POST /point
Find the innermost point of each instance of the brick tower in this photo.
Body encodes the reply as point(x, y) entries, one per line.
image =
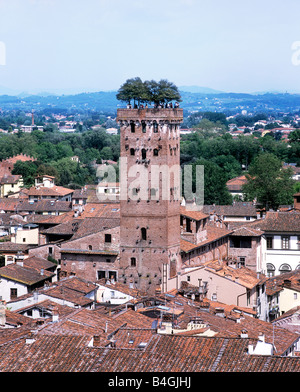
point(150, 196)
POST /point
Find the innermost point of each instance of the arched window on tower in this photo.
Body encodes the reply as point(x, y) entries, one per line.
point(144, 233)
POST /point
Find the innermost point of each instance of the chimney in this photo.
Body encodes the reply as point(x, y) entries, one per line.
point(220, 312)
point(112, 343)
point(96, 341)
point(30, 338)
point(2, 314)
point(244, 334)
point(42, 271)
point(35, 296)
point(55, 315)
point(261, 337)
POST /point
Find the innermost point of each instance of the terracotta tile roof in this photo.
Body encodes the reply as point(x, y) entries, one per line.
point(133, 319)
point(71, 289)
point(232, 325)
point(80, 194)
point(38, 263)
point(284, 222)
point(237, 209)
point(8, 204)
point(246, 232)
point(26, 275)
point(196, 215)
point(47, 306)
point(12, 247)
point(67, 294)
point(66, 344)
point(290, 280)
point(90, 226)
point(12, 335)
point(66, 228)
point(10, 178)
point(103, 210)
point(124, 288)
point(9, 219)
point(51, 219)
point(49, 191)
point(213, 234)
point(244, 276)
point(235, 184)
point(77, 284)
point(15, 319)
point(20, 157)
point(84, 322)
point(71, 353)
point(45, 206)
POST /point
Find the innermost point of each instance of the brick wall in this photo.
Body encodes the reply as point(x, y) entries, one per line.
point(87, 264)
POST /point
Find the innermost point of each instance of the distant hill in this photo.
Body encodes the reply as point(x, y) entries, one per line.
point(106, 102)
point(199, 90)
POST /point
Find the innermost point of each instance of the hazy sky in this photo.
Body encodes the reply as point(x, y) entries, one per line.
point(89, 45)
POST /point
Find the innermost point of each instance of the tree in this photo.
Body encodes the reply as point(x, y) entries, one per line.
point(133, 89)
point(162, 92)
point(27, 170)
point(149, 91)
point(294, 137)
point(215, 190)
point(268, 182)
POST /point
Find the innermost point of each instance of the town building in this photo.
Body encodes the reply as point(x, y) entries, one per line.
point(219, 282)
point(283, 293)
point(235, 187)
point(280, 241)
point(18, 279)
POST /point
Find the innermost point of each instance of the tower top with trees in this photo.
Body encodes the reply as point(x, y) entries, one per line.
point(161, 94)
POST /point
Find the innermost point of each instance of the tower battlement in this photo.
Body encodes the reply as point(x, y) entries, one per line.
point(169, 115)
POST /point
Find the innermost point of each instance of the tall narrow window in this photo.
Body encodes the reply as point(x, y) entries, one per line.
point(144, 154)
point(101, 274)
point(132, 126)
point(269, 242)
point(13, 293)
point(143, 127)
point(144, 233)
point(188, 225)
point(133, 262)
point(155, 127)
point(132, 152)
point(155, 152)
